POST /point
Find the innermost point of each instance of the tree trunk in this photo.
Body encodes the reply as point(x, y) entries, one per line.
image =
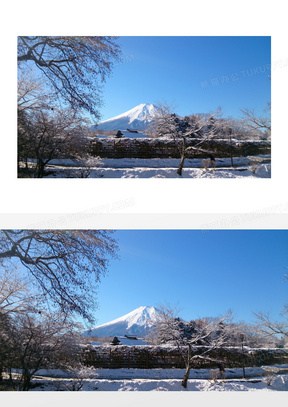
point(26, 383)
point(186, 376)
point(181, 165)
point(10, 375)
point(188, 367)
point(231, 155)
point(40, 168)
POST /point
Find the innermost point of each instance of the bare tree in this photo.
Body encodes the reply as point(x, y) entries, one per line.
point(31, 94)
point(14, 300)
point(258, 123)
point(30, 99)
point(85, 164)
point(51, 133)
point(248, 334)
point(200, 127)
point(165, 328)
point(40, 340)
point(66, 265)
point(78, 375)
point(47, 131)
point(182, 130)
point(71, 65)
point(165, 122)
point(14, 290)
point(270, 328)
point(190, 336)
point(203, 128)
point(233, 130)
point(50, 120)
point(32, 338)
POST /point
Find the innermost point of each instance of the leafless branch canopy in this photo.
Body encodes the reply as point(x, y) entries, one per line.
point(65, 264)
point(255, 122)
point(72, 65)
point(270, 327)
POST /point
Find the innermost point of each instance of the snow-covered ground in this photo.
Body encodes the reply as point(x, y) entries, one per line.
point(265, 378)
point(251, 167)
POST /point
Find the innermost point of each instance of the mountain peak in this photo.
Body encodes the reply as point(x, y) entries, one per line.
point(137, 322)
point(137, 118)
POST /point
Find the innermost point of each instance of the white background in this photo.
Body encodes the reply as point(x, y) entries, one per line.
point(171, 203)
point(142, 195)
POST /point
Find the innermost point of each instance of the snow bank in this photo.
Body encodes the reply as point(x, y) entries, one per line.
point(243, 167)
point(256, 379)
point(263, 171)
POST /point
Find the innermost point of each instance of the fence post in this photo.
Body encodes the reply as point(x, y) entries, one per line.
point(243, 358)
point(231, 155)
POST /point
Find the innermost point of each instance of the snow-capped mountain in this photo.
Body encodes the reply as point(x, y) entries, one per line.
point(137, 322)
point(137, 118)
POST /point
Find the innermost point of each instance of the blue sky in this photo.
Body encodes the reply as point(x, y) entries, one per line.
point(195, 74)
point(204, 273)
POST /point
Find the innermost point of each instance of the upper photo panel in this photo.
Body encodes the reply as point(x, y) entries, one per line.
point(144, 107)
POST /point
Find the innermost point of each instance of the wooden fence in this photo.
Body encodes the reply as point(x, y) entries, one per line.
point(159, 148)
point(155, 357)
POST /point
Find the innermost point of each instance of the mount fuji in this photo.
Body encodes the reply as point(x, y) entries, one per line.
point(137, 323)
point(137, 118)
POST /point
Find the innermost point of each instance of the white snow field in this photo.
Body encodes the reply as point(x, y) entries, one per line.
point(263, 378)
point(251, 167)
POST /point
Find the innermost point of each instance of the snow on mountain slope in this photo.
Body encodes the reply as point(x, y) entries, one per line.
point(137, 322)
point(137, 118)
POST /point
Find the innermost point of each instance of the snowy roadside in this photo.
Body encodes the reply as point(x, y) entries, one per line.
point(278, 383)
point(243, 167)
point(161, 162)
point(231, 373)
point(265, 378)
point(262, 171)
